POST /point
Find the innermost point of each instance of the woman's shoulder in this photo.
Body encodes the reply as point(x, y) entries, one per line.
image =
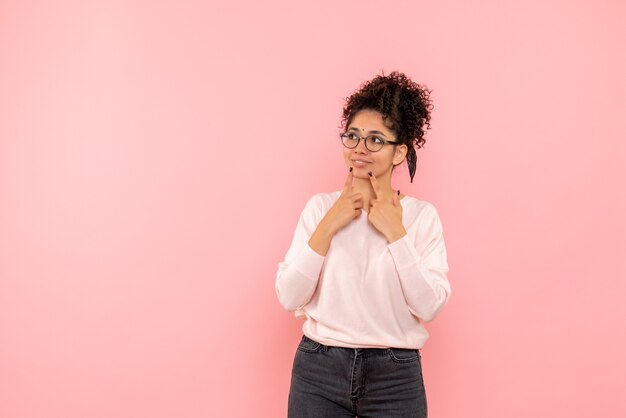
point(323, 200)
point(318, 204)
point(418, 207)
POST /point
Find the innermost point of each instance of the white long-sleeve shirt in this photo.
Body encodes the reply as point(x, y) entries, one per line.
point(366, 292)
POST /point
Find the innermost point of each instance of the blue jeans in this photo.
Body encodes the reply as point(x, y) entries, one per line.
point(332, 382)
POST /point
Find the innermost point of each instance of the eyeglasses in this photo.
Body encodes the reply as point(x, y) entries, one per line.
point(372, 142)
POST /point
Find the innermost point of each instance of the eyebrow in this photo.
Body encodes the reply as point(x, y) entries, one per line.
point(371, 132)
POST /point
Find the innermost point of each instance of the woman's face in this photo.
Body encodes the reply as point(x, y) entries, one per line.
point(380, 163)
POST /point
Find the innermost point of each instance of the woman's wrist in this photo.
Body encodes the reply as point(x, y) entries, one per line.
point(321, 238)
point(396, 235)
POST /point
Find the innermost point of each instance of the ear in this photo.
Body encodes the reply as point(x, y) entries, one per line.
point(400, 154)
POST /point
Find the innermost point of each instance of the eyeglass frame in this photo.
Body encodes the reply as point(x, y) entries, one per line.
point(364, 138)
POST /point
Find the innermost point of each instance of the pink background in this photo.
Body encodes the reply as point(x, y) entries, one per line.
point(155, 156)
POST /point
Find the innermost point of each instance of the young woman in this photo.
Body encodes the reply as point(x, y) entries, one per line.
point(367, 268)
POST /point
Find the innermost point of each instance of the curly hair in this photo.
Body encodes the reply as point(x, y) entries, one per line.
point(404, 105)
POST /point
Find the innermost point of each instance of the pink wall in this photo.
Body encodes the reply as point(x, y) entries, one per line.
point(155, 156)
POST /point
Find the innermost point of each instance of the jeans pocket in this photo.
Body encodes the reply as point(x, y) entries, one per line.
point(307, 345)
point(403, 355)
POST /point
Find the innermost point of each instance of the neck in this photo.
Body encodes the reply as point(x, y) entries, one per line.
point(364, 186)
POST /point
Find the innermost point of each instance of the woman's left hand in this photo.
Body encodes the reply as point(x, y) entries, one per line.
point(386, 214)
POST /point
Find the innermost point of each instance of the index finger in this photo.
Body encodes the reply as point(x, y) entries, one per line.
point(375, 184)
point(348, 185)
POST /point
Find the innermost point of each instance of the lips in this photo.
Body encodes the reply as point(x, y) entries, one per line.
point(360, 163)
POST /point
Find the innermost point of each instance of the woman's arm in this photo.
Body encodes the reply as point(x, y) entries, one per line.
point(298, 274)
point(422, 268)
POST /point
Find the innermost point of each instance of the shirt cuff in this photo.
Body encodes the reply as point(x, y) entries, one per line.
point(404, 253)
point(309, 263)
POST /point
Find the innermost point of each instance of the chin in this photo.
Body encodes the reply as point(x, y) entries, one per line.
point(360, 172)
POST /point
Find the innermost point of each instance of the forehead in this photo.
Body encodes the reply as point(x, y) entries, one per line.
point(370, 120)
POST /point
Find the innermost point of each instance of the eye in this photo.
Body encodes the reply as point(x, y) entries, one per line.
point(376, 140)
point(351, 136)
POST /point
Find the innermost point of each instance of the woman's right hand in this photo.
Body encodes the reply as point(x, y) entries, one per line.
point(347, 208)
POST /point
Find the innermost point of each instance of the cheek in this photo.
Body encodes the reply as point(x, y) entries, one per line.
point(383, 160)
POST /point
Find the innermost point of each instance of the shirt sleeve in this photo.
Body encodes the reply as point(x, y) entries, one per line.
point(422, 267)
point(299, 272)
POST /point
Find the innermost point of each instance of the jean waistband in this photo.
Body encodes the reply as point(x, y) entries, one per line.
point(364, 349)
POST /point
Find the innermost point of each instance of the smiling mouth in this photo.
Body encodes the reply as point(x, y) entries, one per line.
point(360, 162)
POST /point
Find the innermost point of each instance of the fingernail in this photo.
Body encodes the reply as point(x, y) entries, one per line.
point(369, 173)
point(351, 169)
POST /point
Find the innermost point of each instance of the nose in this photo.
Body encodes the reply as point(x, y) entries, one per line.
point(361, 148)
